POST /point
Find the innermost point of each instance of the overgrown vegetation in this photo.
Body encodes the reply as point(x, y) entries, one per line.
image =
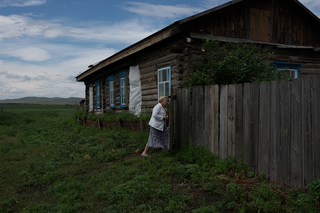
point(232, 63)
point(54, 165)
point(110, 116)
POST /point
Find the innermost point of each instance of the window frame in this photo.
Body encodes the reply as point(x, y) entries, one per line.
point(122, 75)
point(288, 66)
point(111, 79)
point(98, 92)
point(90, 99)
point(158, 78)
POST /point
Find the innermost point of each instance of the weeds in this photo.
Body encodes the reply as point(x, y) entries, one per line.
point(50, 164)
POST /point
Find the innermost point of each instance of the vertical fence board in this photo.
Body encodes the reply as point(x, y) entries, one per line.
point(187, 103)
point(173, 105)
point(315, 108)
point(184, 105)
point(264, 129)
point(275, 145)
point(306, 132)
point(255, 109)
point(194, 114)
point(231, 120)
point(178, 114)
point(201, 136)
point(248, 143)
point(285, 129)
point(211, 116)
point(223, 146)
point(239, 151)
point(197, 115)
point(206, 119)
point(215, 116)
point(296, 146)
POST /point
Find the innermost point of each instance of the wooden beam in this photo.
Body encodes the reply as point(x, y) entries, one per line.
point(147, 42)
point(238, 40)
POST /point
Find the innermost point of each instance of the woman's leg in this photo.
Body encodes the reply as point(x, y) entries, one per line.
point(145, 150)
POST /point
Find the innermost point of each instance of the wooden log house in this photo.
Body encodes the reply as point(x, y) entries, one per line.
point(165, 58)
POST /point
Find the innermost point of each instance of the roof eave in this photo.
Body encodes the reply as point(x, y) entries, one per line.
point(134, 48)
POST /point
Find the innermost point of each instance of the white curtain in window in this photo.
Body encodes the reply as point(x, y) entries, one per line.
point(135, 90)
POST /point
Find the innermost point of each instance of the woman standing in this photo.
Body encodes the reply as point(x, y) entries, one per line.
point(158, 137)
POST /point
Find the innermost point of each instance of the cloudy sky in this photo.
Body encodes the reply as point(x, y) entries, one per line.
point(44, 44)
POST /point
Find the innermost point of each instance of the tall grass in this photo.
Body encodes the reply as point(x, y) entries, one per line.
point(53, 165)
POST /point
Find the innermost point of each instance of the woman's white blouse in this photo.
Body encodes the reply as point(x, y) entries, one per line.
point(156, 120)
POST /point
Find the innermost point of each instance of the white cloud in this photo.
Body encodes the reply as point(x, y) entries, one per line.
point(51, 78)
point(208, 4)
point(21, 3)
point(22, 78)
point(312, 3)
point(127, 32)
point(161, 11)
point(31, 54)
point(16, 26)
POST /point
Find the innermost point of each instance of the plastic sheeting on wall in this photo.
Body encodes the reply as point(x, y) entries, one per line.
point(135, 90)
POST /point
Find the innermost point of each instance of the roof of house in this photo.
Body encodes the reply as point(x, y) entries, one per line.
point(163, 34)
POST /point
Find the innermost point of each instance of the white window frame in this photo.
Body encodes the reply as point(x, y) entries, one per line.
point(122, 88)
point(293, 68)
point(160, 81)
point(111, 91)
point(111, 85)
point(98, 95)
point(293, 72)
point(90, 99)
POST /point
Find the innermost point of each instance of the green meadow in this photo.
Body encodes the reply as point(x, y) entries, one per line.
point(48, 163)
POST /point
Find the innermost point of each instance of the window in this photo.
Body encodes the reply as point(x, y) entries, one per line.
point(111, 91)
point(293, 69)
point(164, 81)
point(90, 99)
point(98, 95)
point(122, 87)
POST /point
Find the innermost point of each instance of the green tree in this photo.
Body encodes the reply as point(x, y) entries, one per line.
point(232, 63)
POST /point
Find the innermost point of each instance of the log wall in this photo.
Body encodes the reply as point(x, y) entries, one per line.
point(176, 54)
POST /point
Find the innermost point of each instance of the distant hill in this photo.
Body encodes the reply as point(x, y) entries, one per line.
point(44, 100)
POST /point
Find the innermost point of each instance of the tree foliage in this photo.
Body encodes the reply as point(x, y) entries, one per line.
point(232, 63)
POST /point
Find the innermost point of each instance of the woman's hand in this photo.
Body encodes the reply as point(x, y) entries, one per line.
point(165, 118)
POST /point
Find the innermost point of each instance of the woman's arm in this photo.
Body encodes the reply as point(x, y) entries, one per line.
point(156, 113)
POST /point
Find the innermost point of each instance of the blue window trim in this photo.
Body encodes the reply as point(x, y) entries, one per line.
point(158, 80)
point(121, 75)
point(111, 78)
point(284, 65)
point(98, 97)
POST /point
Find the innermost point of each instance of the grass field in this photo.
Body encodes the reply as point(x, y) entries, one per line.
point(50, 164)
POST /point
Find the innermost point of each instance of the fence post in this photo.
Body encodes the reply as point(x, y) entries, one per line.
point(99, 124)
point(141, 125)
point(171, 127)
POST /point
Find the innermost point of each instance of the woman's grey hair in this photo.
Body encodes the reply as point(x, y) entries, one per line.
point(161, 98)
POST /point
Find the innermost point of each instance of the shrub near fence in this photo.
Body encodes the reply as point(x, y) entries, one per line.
point(274, 126)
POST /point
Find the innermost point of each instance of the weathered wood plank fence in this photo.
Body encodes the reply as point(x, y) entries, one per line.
point(273, 126)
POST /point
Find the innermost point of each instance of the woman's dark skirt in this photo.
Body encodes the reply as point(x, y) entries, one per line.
point(157, 138)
